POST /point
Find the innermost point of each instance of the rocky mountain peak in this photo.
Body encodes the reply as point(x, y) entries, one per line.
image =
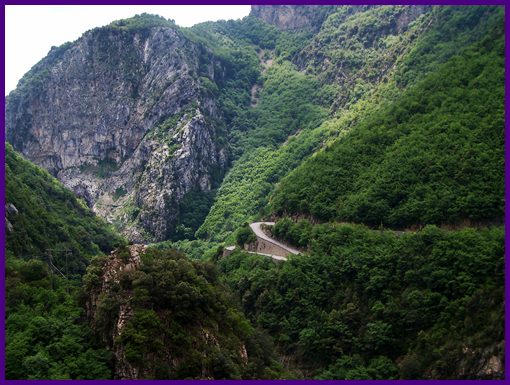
point(123, 103)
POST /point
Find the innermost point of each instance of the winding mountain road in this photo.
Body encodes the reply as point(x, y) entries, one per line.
point(256, 228)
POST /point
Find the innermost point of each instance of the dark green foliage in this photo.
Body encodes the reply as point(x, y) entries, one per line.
point(244, 236)
point(141, 22)
point(256, 32)
point(46, 337)
point(297, 234)
point(46, 334)
point(194, 249)
point(181, 311)
point(450, 29)
point(433, 156)
point(193, 209)
point(50, 217)
point(364, 299)
point(289, 102)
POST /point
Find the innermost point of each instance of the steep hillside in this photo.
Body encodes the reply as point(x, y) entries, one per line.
point(370, 304)
point(434, 155)
point(42, 214)
point(164, 317)
point(143, 118)
point(358, 47)
point(50, 239)
point(139, 313)
point(125, 117)
point(289, 102)
point(400, 41)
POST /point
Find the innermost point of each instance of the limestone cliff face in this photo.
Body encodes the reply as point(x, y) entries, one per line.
point(121, 117)
point(291, 17)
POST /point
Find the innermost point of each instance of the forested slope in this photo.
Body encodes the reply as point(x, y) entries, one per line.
point(372, 135)
point(434, 155)
point(48, 216)
point(166, 317)
point(46, 333)
point(415, 45)
point(370, 304)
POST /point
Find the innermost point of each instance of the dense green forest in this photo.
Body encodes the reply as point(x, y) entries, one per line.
point(371, 304)
point(179, 310)
point(435, 155)
point(374, 138)
point(47, 336)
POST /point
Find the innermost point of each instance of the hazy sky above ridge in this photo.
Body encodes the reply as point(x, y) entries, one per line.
point(31, 30)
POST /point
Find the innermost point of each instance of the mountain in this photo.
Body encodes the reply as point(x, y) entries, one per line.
point(434, 155)
point(371, 67)
point(124, 118)
point(373, 136)
point(136, 312)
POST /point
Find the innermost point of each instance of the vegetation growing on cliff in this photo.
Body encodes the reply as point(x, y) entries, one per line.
point(50, 217)
point(184, 325)
point(47, 336)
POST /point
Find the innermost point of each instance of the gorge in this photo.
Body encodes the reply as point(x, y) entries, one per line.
point(371, 138)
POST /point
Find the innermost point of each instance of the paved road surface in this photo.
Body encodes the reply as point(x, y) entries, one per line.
point(275, 257)
point(259, 233)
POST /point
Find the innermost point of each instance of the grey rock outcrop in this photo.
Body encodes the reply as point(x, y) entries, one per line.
point(293, 18)
point(120, 116)
point(10, 212)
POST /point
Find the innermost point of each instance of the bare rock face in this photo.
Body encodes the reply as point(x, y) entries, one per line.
point(292, 17)
point(120, 117)
point(10, 212)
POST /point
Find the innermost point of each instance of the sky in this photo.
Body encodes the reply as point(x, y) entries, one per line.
point(31, 30)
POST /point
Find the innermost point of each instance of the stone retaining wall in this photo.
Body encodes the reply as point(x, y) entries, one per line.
point(266, 247)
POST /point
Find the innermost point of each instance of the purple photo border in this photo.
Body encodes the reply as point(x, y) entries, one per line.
point(258, 2)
